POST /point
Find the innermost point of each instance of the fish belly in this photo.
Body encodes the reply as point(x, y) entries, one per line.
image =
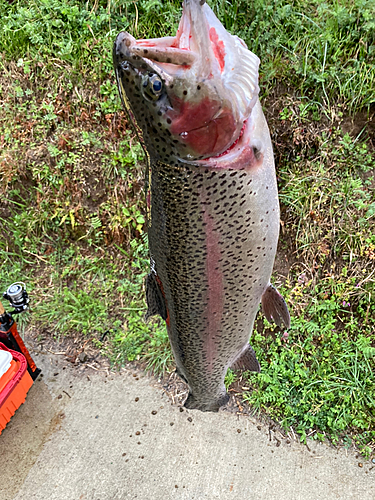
point(213, 235)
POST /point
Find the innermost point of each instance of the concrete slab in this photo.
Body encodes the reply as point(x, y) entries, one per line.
point(117, 437)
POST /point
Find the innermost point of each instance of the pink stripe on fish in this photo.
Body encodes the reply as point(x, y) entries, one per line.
point(215, 306)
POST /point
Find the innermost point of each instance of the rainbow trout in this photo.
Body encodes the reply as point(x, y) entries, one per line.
point(213, 210)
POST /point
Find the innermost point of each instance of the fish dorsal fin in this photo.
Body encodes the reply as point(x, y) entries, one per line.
point(274, 307)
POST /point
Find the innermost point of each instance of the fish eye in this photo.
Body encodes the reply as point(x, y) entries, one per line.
point(152, 86)
point(156, 85)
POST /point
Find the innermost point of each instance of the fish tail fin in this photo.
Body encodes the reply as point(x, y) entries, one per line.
point(274, 307)
point(193, 403)
point(155, 298)
point(246, 360)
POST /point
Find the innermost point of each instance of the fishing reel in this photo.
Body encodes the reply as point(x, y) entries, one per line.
point(18, 299)
point(17, 296)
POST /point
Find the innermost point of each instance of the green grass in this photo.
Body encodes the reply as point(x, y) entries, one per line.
point(325, 50)
point(321, 380)
point(72, 201)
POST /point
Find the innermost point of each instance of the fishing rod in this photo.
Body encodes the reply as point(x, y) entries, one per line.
point(19, 300)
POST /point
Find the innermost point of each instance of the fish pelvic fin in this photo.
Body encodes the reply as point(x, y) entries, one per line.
point(193, 403)
point(155, 298)
point(274, 307)
point(246, 360)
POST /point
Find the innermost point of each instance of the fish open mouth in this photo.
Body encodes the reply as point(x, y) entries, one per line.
point(210, 80)
point(184, 49)
point(201, 42)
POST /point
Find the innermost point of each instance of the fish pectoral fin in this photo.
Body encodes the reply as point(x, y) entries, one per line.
point(246, 360)
point(154, 298)
point(274, 307)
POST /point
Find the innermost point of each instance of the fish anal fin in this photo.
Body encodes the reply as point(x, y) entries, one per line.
point(274, 307)
point(246, 360)
point(155, 298)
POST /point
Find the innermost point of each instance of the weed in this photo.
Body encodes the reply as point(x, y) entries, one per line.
point(321, 383)
point(75, 309)
point(230, 378)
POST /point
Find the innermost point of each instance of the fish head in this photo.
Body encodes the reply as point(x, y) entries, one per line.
point(190, 95)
